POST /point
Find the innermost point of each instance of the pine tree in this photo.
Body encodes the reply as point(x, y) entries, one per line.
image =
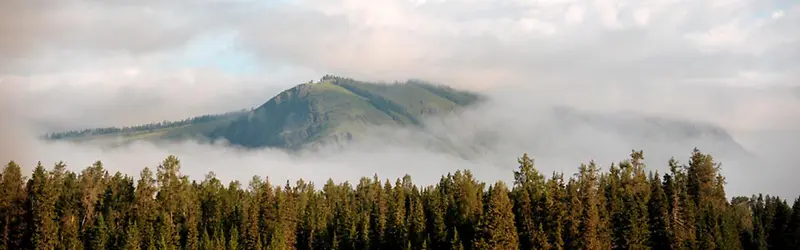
point(43, 196)
point(99, 233)
point(528, 193)
point(778, 235)
point(378, 215)
point(659, 215)
point(167, 237)
point(636, 194)
point(416, 221)
point(590, 218)
point(206, 242)
point(69, 232)
point(455, 241)
point(793, 228)
point(12, 209)
point(496, 228)
point(133, 239)
point(572, 230)
point(703, 189)
point(233, 242)
point(681, 208)
point(397, 228)
point(435, 213)
point(144, 210)
point(556, 203)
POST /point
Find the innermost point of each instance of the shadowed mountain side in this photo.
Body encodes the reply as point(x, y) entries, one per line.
point(339, 109)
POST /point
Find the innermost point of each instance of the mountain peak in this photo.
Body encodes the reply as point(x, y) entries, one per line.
point(338, 108)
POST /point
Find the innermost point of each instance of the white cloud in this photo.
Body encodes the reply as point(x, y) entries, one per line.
point(777, 14)
point(574, 14)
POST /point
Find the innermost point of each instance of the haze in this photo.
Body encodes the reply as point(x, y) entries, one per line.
point(734, 63)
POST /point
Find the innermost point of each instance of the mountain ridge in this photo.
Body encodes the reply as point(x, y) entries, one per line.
point(334, 107)
point(337, 110)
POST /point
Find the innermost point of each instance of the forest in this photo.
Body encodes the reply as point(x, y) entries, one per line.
point(624, 206)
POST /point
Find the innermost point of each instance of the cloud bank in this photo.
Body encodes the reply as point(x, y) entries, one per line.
point(733, 63)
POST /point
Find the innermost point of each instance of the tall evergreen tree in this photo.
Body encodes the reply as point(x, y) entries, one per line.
point(529, 205)
point(42, 195)
point(144, 210)
point(496, 227)
point(416, 221)
point(793, 227)
point(98, 237)
point(12, 209)
point(658, 210)
point(397, 228)
point(233, 239)
point(133, 240)
point(588, 196)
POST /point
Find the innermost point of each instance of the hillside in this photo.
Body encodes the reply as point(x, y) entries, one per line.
point(338, 109)
point(332, 109)
point(197, 128)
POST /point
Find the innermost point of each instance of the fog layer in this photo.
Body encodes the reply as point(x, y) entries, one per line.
point(486, 139)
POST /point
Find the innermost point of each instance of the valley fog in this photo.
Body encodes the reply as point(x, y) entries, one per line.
point(485, 139)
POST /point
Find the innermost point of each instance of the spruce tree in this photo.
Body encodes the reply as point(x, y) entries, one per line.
point(636, 196)
point(556, 204)
point(496, 228)
point(145, 208)
point(590, 218)
point(12, 208)
point(133, 239)
point(233, 239)
point(572, 229)
point(455, 241)
point(378, 214)
point(529, 205)
point(416, 221)
point(397, 228)
point(793, 228)
point(167, 235)
point(42, 195)
point(659, 216)
point(99, 233)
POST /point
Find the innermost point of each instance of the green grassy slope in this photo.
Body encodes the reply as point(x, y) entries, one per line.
point(334, 108)
point(193, 128)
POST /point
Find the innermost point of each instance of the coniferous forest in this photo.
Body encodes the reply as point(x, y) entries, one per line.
point(622, 206)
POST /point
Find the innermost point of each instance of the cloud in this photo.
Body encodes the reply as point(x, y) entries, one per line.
point(74, 64)
point(471, 140)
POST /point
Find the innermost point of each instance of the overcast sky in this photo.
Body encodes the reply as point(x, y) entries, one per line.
point(73, 64)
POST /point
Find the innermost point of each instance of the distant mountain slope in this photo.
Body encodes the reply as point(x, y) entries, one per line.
point(339, 109)
point(640, 129)
point(332, 109)
point(191, 128)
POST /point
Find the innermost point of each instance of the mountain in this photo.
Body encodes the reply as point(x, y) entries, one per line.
point(337, 110)
point(331, 110)
point(641, 129)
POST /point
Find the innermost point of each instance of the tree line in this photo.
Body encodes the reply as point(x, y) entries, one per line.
point(623, 207)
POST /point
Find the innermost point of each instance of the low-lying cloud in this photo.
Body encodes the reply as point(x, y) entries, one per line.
point(485, 139)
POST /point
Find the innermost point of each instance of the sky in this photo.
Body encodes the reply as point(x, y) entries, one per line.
point(75, 64)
